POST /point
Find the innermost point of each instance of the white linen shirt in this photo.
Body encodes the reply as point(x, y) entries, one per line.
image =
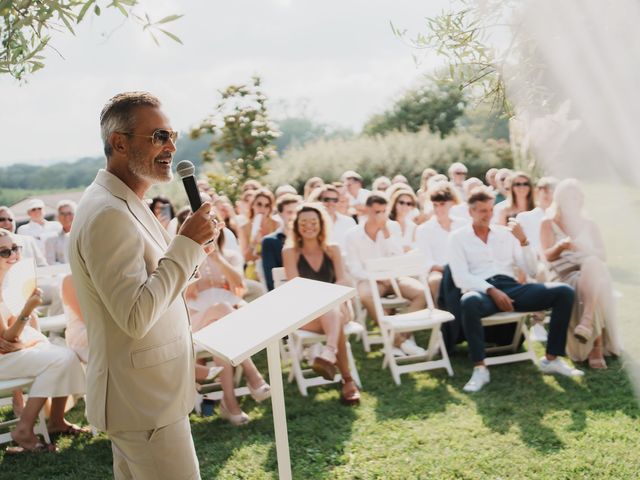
point(472, 261)
point(361, 248)
point(40, 232)
point(531, 222)
point(339, 230)
point(431, 240)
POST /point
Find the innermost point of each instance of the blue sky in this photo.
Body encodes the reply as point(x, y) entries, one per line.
point(338, 58)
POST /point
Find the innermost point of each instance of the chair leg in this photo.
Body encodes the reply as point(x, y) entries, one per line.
point(42, 426)
point(296, 357)
point(445, 354)
point(352, 366)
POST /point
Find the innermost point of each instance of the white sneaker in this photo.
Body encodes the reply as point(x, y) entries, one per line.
point(538, 333)
point(560, 367)
point(397, 352)
point(478, 380)
point(409, 347)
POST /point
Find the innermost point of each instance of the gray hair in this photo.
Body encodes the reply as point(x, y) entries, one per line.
point(67, 203)
point(118, 115)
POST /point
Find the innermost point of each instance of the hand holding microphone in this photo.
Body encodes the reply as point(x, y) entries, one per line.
point(200, 226)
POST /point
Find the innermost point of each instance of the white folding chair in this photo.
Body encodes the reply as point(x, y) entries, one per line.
point(430, 318)
point(520, 319)
point(299, 339)
point(6, 394)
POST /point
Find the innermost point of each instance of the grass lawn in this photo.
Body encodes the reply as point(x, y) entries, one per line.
point(522, 425)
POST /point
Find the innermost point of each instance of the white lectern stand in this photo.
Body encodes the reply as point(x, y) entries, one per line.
point(262, 323)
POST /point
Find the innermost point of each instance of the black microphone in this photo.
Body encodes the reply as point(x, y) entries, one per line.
point(186, 171)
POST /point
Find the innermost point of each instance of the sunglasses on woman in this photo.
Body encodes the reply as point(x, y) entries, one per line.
point(159, 137)
point(521, 184)
point(408, 204)
point(7, 252)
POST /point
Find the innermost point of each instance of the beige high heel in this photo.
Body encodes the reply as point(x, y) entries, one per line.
point(237, 419)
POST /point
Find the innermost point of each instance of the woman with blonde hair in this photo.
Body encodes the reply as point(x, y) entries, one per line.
point(308, 255)
point(573, 247)
point(402, 209)
point(260, 224)
point(25, 352)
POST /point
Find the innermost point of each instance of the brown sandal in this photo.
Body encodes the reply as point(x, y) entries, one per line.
point(324, 368)
point(351, 397)
point(37, 448)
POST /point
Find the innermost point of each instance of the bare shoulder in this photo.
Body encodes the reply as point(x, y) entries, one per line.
point(334, 250)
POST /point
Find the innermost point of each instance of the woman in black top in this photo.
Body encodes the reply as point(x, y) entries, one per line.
point(307, 255)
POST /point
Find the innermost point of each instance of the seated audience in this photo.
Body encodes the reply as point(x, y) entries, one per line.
point(272, 245)
point(38, 227)
point(504, 185)
point(356, 193)
point(432, 236)
point(532, 219)
point(329, 196)
point(163, 210)
point(260, 224)
point(215, 294)
point(309, 256)
point(28, 244)
point(457, 174)
point(380, 184)
point(502, 189)
point(25, 352)
point(482, 259)
point(375, 238)
point(427, 173)
point(490, 178)
point(520, 199)
point(311, 185)
point(573, 246)
point(402, 210)
point(57, 247)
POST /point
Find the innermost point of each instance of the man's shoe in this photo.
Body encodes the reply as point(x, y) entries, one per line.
point(409, 347)
point(560, 367)
point(478, 380)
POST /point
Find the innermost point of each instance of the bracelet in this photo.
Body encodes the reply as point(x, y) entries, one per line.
point(525, 244)
point(24, 318)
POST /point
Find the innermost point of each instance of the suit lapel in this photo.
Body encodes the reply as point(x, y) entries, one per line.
point(137, 207)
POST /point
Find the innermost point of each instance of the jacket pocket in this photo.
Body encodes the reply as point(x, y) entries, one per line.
point(151, 356)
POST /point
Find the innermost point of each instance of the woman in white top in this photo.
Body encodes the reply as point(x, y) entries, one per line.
point(431, 237)
point(520, 198)
point(402, 210)
point(573, 246)
point(25, 352)
point(216, 293)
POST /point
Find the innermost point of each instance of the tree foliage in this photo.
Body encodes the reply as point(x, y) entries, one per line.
point(241, 134)
point(26, 27)
point(435, 105)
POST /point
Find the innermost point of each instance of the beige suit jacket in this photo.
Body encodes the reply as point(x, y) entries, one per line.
point(130, 277)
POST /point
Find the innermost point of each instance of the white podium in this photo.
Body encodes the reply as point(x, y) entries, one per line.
point(262, 323)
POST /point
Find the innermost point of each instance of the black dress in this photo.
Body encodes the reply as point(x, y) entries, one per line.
point(326, 273)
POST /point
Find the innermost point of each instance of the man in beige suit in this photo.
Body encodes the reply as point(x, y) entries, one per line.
point(130, 277)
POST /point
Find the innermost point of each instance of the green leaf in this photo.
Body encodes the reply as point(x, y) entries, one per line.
point(84, 9)
point(168, 19)
point(154, 38)
point(97, 10)
point(171, 36)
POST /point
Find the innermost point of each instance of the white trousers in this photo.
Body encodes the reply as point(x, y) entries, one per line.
point(163, 453)
point(56, 369)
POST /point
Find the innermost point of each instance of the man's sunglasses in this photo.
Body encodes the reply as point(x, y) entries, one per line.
point(408, 204)
point(6, 219)
point(6, 253)
point(329, 200)
point(159, 137)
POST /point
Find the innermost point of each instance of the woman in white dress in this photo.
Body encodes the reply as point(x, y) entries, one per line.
point(25, 352)
point(402, 209)
point(574, 249)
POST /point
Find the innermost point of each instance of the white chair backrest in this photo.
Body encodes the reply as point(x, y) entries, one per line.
point(391, 268)
point(278, 275)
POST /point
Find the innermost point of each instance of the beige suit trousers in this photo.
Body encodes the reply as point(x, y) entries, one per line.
point(163, 453)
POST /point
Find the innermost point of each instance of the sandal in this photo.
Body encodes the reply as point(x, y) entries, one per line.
point(37, 448)
point(349, 396)
point(582, 333)
point(71, 431)
point(325, 364)
point(596, 359)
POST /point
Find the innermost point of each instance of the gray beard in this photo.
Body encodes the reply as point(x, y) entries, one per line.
point(138, 167)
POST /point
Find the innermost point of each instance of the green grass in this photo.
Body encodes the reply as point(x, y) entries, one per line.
point(523, 425)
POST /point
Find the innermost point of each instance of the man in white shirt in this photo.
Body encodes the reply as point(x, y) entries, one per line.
point(341, 224)
point(457, 174)
point(357, 195)
point(482, 258)
point(56, 248)
point(38, 227)
point(432, 236)
point(375, 238)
